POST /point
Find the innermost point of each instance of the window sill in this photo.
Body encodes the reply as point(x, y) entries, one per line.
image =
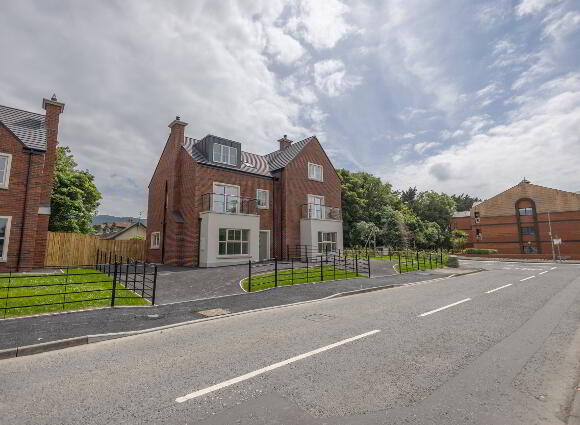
point(316, 180)
point(263, 208)
point(234, 256)
point(155, 247)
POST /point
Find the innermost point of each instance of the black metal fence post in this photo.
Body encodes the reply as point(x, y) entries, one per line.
point(249, 275)
point(292, 269)
point(321, 270)
point(369, 265)
point(334, 267)
point(430, 262)
point(356, 263)
point(287, 252)
point(143, 287)
point(114, 289)
point(399, 254)
point(307, 279)
point(154, 284)
point(275, 272)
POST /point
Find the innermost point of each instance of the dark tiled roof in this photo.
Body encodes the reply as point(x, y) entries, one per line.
point(263, 165)
point(27, 126)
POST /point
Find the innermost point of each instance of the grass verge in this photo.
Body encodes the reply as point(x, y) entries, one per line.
point(75, 289)
point(296, 276)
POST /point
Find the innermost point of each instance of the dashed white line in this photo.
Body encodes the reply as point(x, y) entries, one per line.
point(444, 307)
point(529, 277)
point(553, 268)
point(271, 367)
point(497, 289)
point(545, 271)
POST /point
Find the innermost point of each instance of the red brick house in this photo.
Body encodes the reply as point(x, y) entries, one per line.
point(27, 153)
point(212, 204)
point(522, 221)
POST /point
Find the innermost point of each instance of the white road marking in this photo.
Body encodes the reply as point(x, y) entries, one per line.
point(553, 268)
point(444, 307)
point(497, 289)
point(529, 277)
point(545, 271)
point(271, 367)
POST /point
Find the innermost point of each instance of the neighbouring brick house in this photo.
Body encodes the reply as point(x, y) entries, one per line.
point(518, 222)
point(27, 154)
point(111, 227)
point(212, 204)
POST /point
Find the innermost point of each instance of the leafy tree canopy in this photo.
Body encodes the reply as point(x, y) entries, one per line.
point(75, 197)
point(464, 202)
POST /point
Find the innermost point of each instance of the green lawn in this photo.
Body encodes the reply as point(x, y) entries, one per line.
point(81, 284)
point(409, 263)
point(289, 277)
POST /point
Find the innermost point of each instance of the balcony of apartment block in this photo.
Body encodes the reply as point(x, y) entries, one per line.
point(321, 212)
point(228, 204)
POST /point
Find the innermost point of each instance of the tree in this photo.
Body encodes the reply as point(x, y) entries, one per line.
point(458, 239)
point(464, 202)
point(364, 234)
point(364, 198)
point(435, 207)
point(75, 197)
point(408, 196)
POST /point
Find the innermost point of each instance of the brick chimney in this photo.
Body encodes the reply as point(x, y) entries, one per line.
point(284, 143)
point(177, 137)
point(53, 110)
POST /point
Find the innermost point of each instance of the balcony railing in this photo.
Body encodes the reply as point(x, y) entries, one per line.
point(228, 204)
point(320, 212)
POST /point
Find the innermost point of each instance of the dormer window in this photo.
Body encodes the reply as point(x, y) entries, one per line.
point(225, 154)
point(315, 172)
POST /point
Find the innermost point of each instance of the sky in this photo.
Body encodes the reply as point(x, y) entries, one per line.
point(454, 96)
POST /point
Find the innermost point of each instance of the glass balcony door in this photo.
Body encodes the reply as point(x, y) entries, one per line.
point(315, 206)
point(226, 198)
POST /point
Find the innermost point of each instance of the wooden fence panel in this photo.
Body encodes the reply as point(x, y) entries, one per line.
point(78, 249)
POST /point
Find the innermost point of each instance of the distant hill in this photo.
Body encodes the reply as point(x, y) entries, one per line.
point(100, 219)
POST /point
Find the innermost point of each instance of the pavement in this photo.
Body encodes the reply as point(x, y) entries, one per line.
point(175, 284)
point(24, 331)
point(501, 347)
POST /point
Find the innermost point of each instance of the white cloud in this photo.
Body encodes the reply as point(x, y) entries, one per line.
point(530, 7)
point(285, 48)
point(423, 147)
point(331, 78)
point(320, 23)
point(541, 142)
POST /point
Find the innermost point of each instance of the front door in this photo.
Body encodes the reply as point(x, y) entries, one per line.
point(264, 245)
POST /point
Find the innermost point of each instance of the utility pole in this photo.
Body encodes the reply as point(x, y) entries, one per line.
point(551, 237)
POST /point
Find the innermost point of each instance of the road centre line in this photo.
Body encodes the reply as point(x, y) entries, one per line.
point(497, 289)
point(553, 268)
point(529, 277)
point(545, 271)
point(271, 367)
point(444, 307)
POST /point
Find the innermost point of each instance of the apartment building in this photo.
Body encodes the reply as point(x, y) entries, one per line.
point(211, 203)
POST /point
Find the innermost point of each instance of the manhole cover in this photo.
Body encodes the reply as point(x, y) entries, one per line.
point(317, 317)
point(213, 312)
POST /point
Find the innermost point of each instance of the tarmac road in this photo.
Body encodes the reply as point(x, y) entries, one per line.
point(496, 347)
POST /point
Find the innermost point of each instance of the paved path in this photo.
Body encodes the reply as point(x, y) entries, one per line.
point(45, 328)
point(460, 351)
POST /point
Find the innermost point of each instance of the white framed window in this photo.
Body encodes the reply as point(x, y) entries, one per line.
point(155, 240)
point(226, 198)
point(315, 172)
point(225, 154)
point(4, 237)
point(263, 198)
point(233, 242)
point(5, 161)
point(315, 206)
point(326, 242)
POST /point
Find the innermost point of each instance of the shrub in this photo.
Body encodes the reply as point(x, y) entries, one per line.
point(480, 251)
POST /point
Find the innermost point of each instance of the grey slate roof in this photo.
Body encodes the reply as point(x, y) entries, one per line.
point(458, 214)
point(263, 165)
point(28, 127)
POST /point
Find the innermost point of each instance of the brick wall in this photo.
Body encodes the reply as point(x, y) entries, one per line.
point(297, 187)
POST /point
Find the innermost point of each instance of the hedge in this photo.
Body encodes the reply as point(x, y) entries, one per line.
point(480, 251)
